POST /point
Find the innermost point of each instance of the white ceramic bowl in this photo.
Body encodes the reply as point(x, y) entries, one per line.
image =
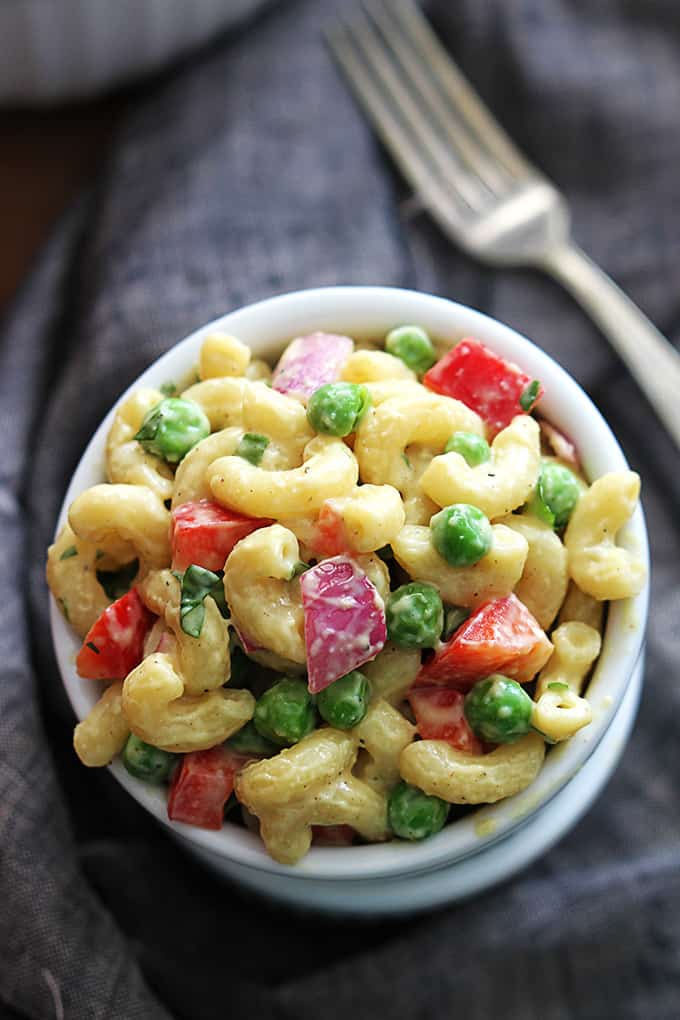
point(362, 311)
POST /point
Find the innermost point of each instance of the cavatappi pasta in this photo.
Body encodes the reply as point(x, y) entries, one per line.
point(344, 594)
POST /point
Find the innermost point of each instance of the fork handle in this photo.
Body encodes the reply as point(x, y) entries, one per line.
point(652, 360)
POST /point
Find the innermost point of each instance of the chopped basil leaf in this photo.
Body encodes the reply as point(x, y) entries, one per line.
point(299, 568)
point(117, 583)
point(405, 459)
point(68, 553)
point(252, 447)
point(168, 389)
point(147, 431)
point(92, 645)
point(557, 685)
point(529, 395)
point(217, 593)
point(192, 616)
point(197, 583)
point(64, 609)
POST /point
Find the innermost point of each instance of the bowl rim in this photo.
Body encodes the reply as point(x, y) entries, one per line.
point(267, 325)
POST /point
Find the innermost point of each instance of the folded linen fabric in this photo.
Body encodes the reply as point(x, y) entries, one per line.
point(250, 173)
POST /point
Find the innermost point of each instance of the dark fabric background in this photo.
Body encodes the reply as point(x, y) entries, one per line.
point(248, 173)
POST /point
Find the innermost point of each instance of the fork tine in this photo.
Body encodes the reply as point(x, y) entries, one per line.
point(404, 149)
point(443, 161)
point(440, 109)
point(479, 119)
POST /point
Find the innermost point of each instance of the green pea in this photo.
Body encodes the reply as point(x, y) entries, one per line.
point(461, 533)
point(469, 445)
point(143, 761)
point(413, 346)
point(337, 408)
point(413, 814)
point(557, 492)
point(343, 703)
point(285, 713)
point(248, 740)
point(252, 447)
point(454, 617)
point(498, 709)
point(414, 615)
point(172, 428)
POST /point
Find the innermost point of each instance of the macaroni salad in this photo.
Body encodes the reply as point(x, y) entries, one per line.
point(338, 597)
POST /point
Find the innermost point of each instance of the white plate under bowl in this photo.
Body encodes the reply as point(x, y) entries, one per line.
point(365, 311)
point(412, 894)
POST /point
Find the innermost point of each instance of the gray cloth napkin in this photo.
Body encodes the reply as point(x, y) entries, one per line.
point(247, 174)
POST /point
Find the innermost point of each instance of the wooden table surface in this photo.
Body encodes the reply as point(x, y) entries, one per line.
point(45, 157)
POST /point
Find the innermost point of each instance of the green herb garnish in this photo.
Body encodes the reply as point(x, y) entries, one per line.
point(217, 593)
point(252, 447)
point(92, 645)
point(529, 395)
point(299, 568)
point(197, 583)
point(68, 553)
point(557, 685)
point(168, 389)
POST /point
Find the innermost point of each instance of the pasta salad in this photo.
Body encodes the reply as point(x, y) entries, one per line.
point(333, 599)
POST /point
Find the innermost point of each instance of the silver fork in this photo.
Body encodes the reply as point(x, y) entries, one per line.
point(479, 187)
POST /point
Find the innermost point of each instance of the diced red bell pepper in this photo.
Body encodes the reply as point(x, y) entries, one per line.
point(204, 533)
point(329, 533)
point(344, 620)
point(332, 835)
point(439, 716)
point(500, 637)
point(114, 644)
point(484, 381)
point(309, 362)
point(202, 785)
